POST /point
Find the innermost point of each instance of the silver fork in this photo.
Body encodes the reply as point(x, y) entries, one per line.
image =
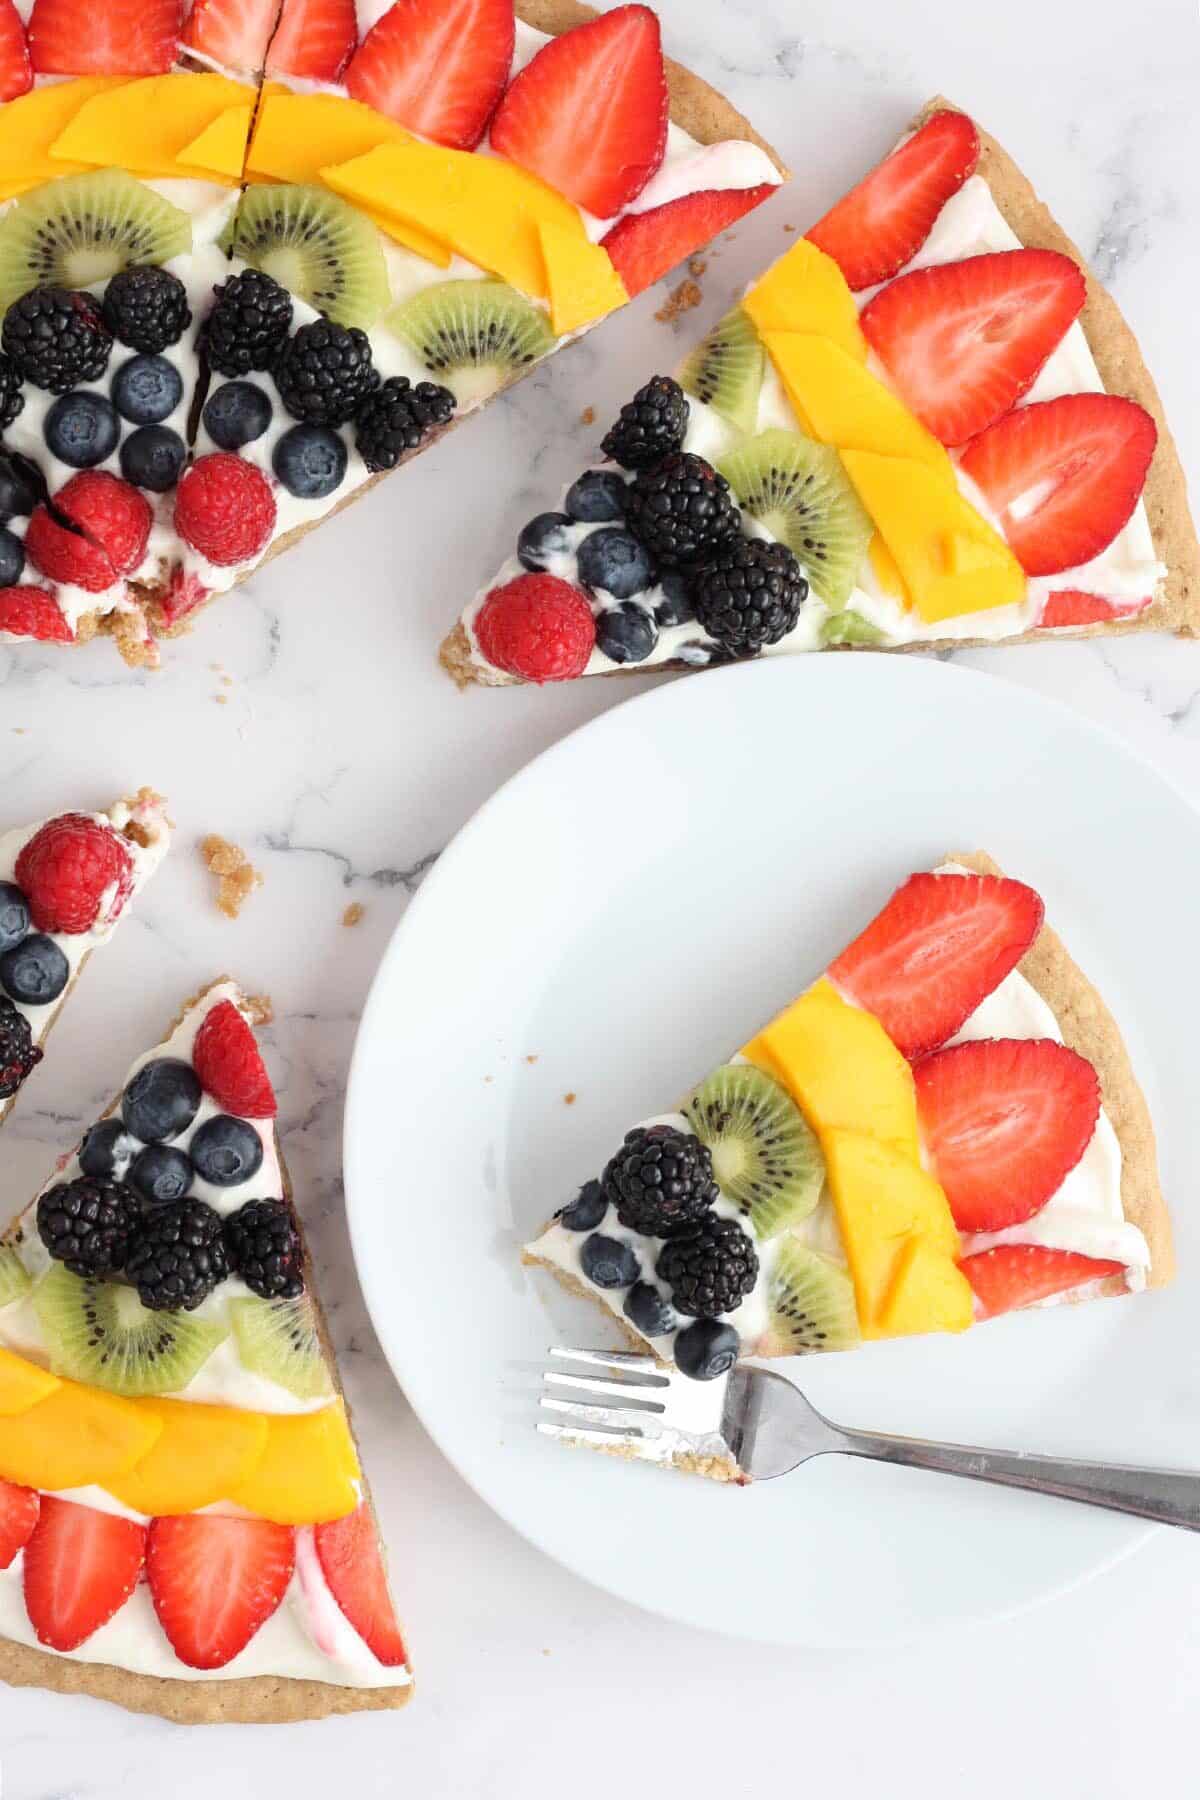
point(758, 1422)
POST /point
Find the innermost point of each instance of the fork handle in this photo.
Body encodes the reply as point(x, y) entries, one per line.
point(1169, 1496)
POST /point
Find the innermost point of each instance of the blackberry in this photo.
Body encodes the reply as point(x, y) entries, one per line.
point(682, 511)
point(710, 1269)
point(660, 1181)
point(649, 426)
point(399, 417)
point(324, 372)
point(178, 1256)
point(147, 308)
point(750, 595)
point(18, 1052)
point(264, 1249)
point(88, 1224)
point(248, 326)
point(11, 397)
point(57, 338)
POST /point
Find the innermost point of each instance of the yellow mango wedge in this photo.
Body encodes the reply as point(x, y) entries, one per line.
point(806, 291)
point(143, 128)
point(582, 284)
point(884, 1202)
point(887, 574)
point(75, 1437)
point(841, 403)
point(219, 153)
point(307, 1472)
point(929, 1292)
point(201, 1456)
point(31, 123)
point(22, 1384)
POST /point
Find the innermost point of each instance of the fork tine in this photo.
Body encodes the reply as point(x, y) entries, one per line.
point(623, 1418)
point(596, 1384)
point(577, 1434)
point(624, 1361)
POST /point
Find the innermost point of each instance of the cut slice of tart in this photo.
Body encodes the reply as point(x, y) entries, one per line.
point(186, 1529)
point(926, 424)
point(65, 885)
point(944, 1127)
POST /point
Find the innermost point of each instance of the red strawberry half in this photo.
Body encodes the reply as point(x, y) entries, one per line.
point(234, 33)
point(215, 1581)
point(348, 1550)
point(437, 66)
point(643, 246)
point(121, 37)
point(16, 71)
point(1071, 606)
point(80, 1568)
point(69, 866)
point(314, 38)
point(589, 113)
point(227, 1060)
point(33, 612)
point(1012, 1275)
point(1064, 475)
point(939, 947)
point(963, 341)
point(19, 1507)
point(1004, 1121)
point(882, 223)
point(538, 627)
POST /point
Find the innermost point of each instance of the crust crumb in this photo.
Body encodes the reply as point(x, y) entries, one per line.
point(236, 875)
point(353, 913)
point(531, 1059)
point(148, 800)
point(588, 416)
point(789, 228)
point(260, 1008)
point(571, 1098)
point(680, 300)
point(697, 266)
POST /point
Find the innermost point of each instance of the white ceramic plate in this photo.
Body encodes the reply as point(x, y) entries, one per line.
point(619, 918)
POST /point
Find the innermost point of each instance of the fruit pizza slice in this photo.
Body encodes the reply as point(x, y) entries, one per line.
point(944, 1127)
point(184, 1525)
point(927, 423)
point(65, 885)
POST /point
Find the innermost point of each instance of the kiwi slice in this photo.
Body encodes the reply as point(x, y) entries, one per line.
point(315, 246)
point(765, 1156)
point(472, 336)
point(725, 370)
point(83, 228)
point(99, 1332)
point(801, 493)
point(812, 1304)
point(14, 1277)
point(850, 627)
point(279, 1340)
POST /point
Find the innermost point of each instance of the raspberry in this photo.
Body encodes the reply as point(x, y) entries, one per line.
point(110, 513)
point(68, 867)
point(225, 508)
point(537, 627)
point(33, 612)
point(65, 555)
point(226, 1058)
point(184, 594)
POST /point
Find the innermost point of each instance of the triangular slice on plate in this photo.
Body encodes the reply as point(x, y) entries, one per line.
point(944, 1127)
point(925, 424)
point(184, 1525)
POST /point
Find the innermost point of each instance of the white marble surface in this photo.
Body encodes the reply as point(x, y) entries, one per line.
point(343, 760)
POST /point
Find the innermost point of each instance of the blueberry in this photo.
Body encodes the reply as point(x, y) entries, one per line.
point(106, 1149)
point(21, 485)
point(542, 538)
point(613, 559)
point(14, 915)
point(310, 460)
point(162, 1099)
point(82, 429)
point(226, 1151)
point(35, 971)
point(599, 494)
point(649, 1310)
point(675, 607)
point(626, 633)
point(159, 1174)
point(706, 1349)
point(12, 557)
point(153, 457)
point(609, 1262)
point(147, 389)
point(237, 413)
point(586, 1210)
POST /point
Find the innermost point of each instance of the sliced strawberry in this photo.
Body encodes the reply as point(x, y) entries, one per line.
point(643, 246)
point(1071, 606)
point(314, 38)
point(1004, 1121)
point(122, 37)
point(353, 1567)
point(233, 33)
point(589, 113)
point(936, 951)
point(437, 66)
point(1012, 1275)
point(80, 1568)
point(964, 340)
point(226, 1058)
point(33, 612)
point(882, 223)
point(1063, 475)
point(214, 1581)
point(16, 70)
point(19, 1507)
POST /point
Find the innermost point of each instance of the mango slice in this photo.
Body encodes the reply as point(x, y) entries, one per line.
point(203, 1453)
point(929, 1292)
point(307, 1472)
point(144, 129)
point(884, 1201)
point(951, 560)
point(841, 1068)
point(75, 1437)
point(220, 150)
point(886, 572)
point(842, 403)
point(580, 278)
point(806, 291)
point(22, 1384)
point(30, 124)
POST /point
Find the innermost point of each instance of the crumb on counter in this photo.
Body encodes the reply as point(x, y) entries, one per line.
point(571, 1098)
point(353, 913)
point(789, 228)
point(221, 699)
point(236, 875)
point(531, 1059)
point(588, 416)
point(697, 265)
point(680, 300)
point(260, 1008)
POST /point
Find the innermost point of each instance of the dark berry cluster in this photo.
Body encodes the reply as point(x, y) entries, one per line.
point(146, 308)
point(682, 510)
point(18, 1052)
point(398, 417)
point(324, 372)
point(660, 1181)
point(265, 1249)
point(649, 426)
point(710, 1268)
point(749, 595)
point(56, 337)
point(249, 325)
point(178, 1256)
point(89, 1224)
